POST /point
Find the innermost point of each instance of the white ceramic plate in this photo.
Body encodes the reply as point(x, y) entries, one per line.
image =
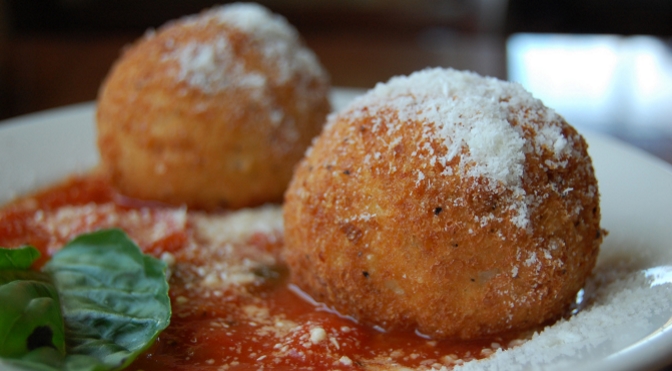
point(636, 190)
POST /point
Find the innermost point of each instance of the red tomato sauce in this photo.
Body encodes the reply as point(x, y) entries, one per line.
point(264, 324)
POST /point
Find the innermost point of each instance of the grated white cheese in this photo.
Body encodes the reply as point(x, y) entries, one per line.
point(147, 225)
point(345, 361)
point(213, 65)
point(317, 335)
point(479, 120)
point(239, 226)
point(623, 308)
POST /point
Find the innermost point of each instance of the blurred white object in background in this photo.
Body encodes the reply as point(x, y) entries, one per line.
point(597, 81)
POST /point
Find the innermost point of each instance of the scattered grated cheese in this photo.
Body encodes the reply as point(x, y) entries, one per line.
point(317, 335)
point(480, 121)
point(345, 361)
point(213, 65)
point(624, 307)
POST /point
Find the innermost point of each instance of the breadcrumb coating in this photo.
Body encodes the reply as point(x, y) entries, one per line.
point(212, 110)
point(448, 203)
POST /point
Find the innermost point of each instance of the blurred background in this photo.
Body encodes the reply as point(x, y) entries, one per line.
point(606, 65)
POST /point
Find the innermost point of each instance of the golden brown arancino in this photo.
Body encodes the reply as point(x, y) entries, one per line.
point(212, 110)
point(448, 203)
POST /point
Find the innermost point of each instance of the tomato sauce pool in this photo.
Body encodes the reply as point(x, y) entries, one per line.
point(259, 321)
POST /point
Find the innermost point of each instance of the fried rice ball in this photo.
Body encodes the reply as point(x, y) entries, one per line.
point(447, 203)
point(212, 110)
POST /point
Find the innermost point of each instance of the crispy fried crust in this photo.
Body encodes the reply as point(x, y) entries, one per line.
point(439, 253)
point(202, 113)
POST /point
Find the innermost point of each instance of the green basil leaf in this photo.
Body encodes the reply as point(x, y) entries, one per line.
point(114, 302)
point(46, 359)
point(43, 359)
point(114, 299)
point(30, 315)
point(20, 259)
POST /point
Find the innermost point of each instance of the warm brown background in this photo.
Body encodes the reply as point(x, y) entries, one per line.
point(56, 52)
